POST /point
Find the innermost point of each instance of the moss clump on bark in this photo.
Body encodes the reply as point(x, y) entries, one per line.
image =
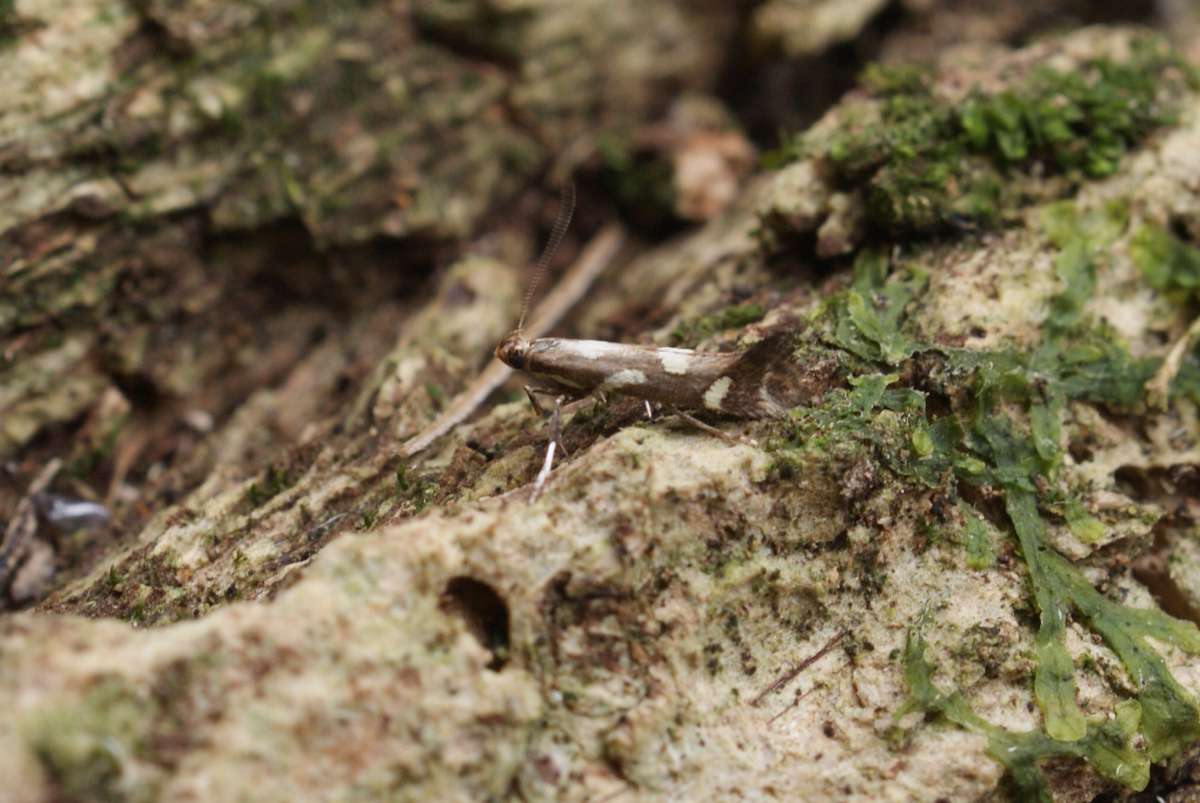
point(926, 163)
point(1168, 264)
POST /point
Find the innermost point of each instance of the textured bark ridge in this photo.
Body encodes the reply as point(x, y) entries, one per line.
point(216, 218)
point(966, 565)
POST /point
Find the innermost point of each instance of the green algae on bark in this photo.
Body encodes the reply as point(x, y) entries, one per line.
point(1105, 744)
point(1003, 434)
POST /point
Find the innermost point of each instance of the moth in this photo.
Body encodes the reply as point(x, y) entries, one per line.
point(685, 381)
point(732, 384)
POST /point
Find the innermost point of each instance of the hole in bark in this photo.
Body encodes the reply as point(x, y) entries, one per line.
point(1133, 481)
point(1169, 596)
point(139, 388)
point(1081, 452)
point(1179, 227)
point(1152, 571)
point(1168, 781)
point(484, 612)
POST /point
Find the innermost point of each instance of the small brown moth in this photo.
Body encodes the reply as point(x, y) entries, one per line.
point(727, 383)
point(733, 384)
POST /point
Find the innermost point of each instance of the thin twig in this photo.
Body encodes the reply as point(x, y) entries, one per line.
point(1158, 389)
point(792, 705)
point(711, 430)
point(790, 675)
point(598, 254)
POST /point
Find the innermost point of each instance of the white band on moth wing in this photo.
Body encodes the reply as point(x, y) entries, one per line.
point(588, 349)
point(716, 393)
point(675, 361)
point(624, 378)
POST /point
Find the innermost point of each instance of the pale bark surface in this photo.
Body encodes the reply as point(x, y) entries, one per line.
point(249, 248)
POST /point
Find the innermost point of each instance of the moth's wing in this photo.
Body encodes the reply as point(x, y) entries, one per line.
point(769, 379)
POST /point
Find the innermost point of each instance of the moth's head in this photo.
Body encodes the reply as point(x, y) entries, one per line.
point(513, 350)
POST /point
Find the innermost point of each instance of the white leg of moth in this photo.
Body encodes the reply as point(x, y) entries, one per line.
point(532, 393)
point(555, 442)
point(711, 430)
point(544, 474)
point(649, 411)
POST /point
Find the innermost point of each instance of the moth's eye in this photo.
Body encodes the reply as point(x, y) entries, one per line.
point(511, 353)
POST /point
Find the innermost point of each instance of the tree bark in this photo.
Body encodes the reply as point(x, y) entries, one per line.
point(250, 249)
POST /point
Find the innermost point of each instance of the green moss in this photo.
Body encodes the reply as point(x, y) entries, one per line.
point(925, 164)
point(436, 395)
point(273, 482)
point(1081, 121)
point(418, 491)
point(975, 539)
point(1086, 360)
point(1054, 681)
point(1106, 745)
point(1170, 718)
point(922, 442)
point(8, 20)
point(869, 413)
point(896, 79)
point(1084, 526)
point(1003, 433)
point(869, 315)
point(1186, 383)
point(112, 580)
point(87, 747)
point(642, 184)
point(1168, 264)
point(689, 333)
point(367, 519)
point(1076, 361)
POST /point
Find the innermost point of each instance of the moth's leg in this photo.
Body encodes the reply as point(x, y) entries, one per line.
point(560, 402)
point(543, 474)
point(711, 430)
point(555, 441)
point(560, 407)
point(649, 410)
point(575, 405)
point(531, 393)
point(556, 425)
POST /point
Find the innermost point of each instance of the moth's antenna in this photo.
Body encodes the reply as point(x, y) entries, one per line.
point(566, 209)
